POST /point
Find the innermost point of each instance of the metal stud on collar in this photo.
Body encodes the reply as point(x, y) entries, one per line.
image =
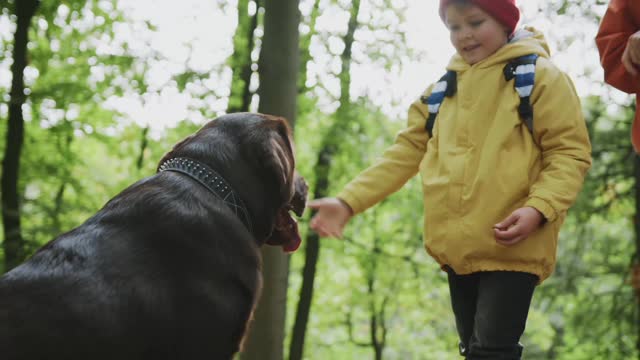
point(215, 183)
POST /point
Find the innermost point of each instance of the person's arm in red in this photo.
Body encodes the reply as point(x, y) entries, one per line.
point(619, 24)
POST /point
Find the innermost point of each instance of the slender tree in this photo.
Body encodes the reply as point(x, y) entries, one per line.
point(14, 244)
point(636, 257)
point(377, 320)
point(65, 101)
point(144, 144)
point(335, 135)
point(305, 47)
point(378, 329)
point(278, 70)
point(241, 62)
point(64, 142)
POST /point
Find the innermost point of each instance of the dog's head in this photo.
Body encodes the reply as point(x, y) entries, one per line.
point(255, 155)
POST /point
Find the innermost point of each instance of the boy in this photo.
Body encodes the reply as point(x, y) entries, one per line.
point(495, 192)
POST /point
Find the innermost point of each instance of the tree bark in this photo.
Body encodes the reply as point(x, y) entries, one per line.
point(377, 321)
point(278, 70)
point(312, 252)
point(322, 169)
point(636, 175)
point(144, 144)
point(14, 244)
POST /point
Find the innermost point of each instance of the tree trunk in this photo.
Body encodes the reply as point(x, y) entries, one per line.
point(636, 174)
point(278, 69)
point(345, 74)
point(305, 44)
point(377, 321)
point(240, 96)
point(64, 177)
point(14, 244)
point(312, 252)
point(323, 165)
point(144, 144)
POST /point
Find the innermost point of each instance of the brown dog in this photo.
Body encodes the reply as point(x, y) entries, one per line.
point(170, 267)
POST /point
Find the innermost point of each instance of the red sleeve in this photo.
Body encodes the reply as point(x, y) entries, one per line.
point(616, 27)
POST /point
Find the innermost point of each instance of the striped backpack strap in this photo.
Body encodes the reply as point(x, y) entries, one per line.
point(523, 69)
point(446, 86)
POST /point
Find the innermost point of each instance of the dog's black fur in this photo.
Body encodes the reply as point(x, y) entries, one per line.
point(165, 270)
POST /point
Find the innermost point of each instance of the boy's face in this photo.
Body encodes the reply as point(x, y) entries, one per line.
point(474, 33)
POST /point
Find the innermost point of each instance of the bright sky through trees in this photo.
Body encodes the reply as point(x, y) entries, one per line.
point(199, 34)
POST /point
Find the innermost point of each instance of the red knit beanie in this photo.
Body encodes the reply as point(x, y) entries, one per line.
point(504, 11)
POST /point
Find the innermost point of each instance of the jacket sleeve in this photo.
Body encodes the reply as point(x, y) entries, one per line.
point(561, 132)
point(397, 165)
point(616, 27)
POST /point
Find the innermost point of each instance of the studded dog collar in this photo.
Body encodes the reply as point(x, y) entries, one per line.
point(213, 182)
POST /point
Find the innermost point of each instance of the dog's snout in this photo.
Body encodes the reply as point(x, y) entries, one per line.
point(299, 200)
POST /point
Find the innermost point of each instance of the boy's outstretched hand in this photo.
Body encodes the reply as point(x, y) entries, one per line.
point(331, 218)
point(517, 226)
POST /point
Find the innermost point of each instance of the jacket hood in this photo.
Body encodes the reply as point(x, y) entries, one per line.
point(524, 42)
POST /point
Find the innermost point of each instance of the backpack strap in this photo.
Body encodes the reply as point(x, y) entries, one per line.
point(446, 86)
point(523, 69)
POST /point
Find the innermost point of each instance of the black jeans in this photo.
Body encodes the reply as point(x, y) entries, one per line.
point(491, 311)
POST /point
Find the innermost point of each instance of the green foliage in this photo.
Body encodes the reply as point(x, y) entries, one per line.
point(78, 154)
point(56, 174)
point(5, 4)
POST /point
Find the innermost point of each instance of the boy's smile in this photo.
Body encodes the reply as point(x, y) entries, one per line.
point(474, 33)
point(470, 48)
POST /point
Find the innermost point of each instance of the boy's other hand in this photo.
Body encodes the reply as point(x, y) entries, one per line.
point(331, 218)
point(517, 226)
point(631, 55)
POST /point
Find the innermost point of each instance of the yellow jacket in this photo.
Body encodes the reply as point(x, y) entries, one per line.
point(482, 163)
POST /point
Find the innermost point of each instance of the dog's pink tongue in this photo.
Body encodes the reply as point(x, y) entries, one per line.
point(285, 233)
point(294, 237)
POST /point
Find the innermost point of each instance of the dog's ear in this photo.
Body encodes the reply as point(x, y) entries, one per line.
point(281, 158)
point(176, 147)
